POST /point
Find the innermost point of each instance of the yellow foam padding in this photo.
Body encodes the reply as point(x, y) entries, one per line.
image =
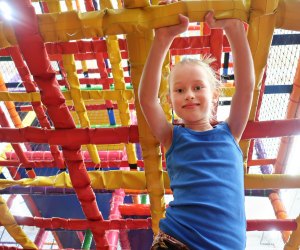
point(164, 88)
point(294, 241)
point(115, 58)
point(114, 95)
point(84, 66)
point(8, 148)
point(29, 118)
point(260, 33)
point(75, 92)
point(227, 91)
point(265, 181)
point(138, 47)
point(287, 16)
point(15, 231)
point(98, 117)
point(109, 180)
point(114, 179)
point(53, 5)
point(20, 97)
point(7, 35)
point(73, 26)
point(111, 147)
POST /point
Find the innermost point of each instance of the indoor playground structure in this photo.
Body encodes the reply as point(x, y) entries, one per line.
point(79, 167)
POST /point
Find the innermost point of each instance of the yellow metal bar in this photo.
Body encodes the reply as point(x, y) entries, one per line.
point(53, 5)
point(11, 226)
point(86, 95)
point(164, 88)
point(271, 181)
point(72, 25)
point(150, 146)
point(136, 180)
point(262, 19)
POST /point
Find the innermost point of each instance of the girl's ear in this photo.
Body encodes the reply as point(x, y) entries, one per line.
point(215, 96)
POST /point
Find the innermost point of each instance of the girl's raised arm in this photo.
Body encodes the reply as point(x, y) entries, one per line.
point(150, 81)
point(243, 72)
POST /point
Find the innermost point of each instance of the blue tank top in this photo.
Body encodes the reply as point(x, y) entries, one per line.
point(207, 180)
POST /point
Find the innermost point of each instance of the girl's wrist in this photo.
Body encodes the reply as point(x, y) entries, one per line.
point(233, 25)
point(163, 39)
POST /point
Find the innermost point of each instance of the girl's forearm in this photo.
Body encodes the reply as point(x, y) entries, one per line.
point(150, 80)
point(243, 63)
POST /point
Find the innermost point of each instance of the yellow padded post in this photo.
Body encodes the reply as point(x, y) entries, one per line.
point(11, 226)
point(164, 88)
point(294, 241)
point(138, 48)
point(262, 19)
point(114, 55)
point(53, 5)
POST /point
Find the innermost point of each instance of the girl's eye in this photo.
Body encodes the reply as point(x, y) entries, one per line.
point(198, 88)
point(179, 90)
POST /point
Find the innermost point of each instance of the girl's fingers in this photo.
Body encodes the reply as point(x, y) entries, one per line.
point(210, 18)
point(164, 2)
point(183, 19)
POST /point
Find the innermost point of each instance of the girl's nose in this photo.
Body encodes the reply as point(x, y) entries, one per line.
point(189, 95)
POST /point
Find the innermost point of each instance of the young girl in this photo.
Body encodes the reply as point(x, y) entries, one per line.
point(204, 163)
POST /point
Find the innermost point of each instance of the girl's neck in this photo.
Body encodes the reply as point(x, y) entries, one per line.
point(198, 126)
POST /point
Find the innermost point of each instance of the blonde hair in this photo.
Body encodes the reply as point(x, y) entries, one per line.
point(204, 62)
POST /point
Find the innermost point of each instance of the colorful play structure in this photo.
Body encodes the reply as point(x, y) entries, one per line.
point(74, 143)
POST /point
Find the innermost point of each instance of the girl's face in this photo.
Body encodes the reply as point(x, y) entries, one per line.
point(191, 94)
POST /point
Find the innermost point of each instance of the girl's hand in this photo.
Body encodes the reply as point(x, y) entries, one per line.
point(174, 30)
point(225, 24)
point(170, 32)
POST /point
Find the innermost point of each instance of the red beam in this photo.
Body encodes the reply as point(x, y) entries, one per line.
point(270, 225)
point(275, 128)
point(260, 162)
point(80, 224)
point(88, 164)
point(46, 155)
point(81, 136)
point(71, 137)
